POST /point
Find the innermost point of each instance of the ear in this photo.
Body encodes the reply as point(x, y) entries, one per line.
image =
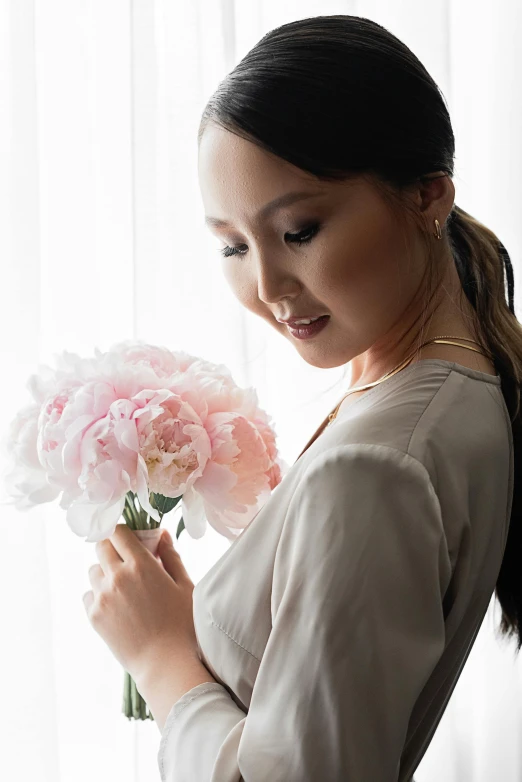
point(436, 196)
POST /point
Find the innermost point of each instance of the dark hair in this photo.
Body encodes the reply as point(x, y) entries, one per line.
point(340, 96)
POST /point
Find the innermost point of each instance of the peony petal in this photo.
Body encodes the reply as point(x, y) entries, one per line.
point(95, 522)
point(216, 484)
point(125, 432)
point(142, 490)
point(79, 517)
point(69, 496)
point(215, 520)
point(193, 512)
point(105, 520)
point(30, 483)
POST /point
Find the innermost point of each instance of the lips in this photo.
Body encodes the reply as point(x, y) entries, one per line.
point(311, 330)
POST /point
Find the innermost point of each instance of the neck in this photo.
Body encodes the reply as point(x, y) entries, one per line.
point(452, 315)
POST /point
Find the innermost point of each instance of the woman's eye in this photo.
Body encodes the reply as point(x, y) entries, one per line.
point(303, 237)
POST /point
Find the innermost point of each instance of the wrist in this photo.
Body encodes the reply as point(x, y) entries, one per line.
point(165, 681)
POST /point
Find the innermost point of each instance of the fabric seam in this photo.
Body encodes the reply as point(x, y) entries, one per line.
point(234, 640)
point(424, 413)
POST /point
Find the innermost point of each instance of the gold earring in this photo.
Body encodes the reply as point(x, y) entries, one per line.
point(439, 232)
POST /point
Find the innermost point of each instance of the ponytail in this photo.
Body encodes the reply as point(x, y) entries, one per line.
point(484, 268)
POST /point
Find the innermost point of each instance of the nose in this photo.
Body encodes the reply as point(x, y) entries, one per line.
point(274, 280)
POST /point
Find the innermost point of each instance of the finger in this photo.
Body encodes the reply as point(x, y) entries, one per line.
point(88, 600)
point(171, 559)
point(107, 555)
point(126, 544)
point(96, 576)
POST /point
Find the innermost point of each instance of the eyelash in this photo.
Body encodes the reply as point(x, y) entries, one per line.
point(309, 232)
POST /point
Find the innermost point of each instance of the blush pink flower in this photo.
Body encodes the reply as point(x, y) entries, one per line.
point(26, 481)
point(142, 419)
point(162, 361)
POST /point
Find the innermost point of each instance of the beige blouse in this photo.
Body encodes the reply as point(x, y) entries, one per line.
point(338, 622)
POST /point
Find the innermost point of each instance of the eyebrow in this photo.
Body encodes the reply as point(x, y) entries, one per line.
point(268, 209)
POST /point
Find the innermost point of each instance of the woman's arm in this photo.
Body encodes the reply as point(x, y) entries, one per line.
point(359, 577)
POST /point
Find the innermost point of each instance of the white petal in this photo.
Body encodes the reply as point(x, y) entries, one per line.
point(193, 512)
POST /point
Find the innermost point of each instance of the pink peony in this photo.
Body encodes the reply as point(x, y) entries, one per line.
point(162, 361)
point(27, 482)
point(142, 419)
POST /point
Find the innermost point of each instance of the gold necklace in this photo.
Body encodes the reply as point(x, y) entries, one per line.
point(443, 339)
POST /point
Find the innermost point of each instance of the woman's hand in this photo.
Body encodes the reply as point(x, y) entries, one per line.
point(141, 607)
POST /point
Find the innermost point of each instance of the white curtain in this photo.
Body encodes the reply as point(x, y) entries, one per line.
point(102, 239)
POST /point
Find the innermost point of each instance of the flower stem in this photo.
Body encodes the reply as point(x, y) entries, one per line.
point(132, 518)
point(134, 707)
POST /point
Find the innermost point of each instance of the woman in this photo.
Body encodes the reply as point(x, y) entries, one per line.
point(337, 624)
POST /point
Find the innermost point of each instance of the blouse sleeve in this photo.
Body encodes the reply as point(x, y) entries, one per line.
point(359, 577)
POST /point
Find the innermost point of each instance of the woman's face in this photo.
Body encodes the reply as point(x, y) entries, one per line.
point(353, 267)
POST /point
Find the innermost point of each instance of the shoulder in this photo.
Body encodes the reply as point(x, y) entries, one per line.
point(364, 468)
point(363, 518)
point(353, 490)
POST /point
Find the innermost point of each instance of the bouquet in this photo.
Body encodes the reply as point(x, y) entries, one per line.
point(133, 433)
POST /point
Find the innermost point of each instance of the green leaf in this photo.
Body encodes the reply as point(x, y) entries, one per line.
point(163, 504)
point(181, 527)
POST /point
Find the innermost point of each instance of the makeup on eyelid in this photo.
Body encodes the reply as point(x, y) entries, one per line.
point(302, 237)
